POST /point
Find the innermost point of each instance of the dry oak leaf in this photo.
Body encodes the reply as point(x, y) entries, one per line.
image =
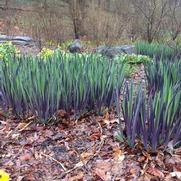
point(103, 165)
point(118, 154)
point(86, 155)
point(79, 176)
point(61, 113)
point(95, 136)
point(155, 172)
point(105, 176)
point(141, 159)
point(102, 169)
point(26, 157)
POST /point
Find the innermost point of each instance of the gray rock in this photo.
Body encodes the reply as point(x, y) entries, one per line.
point(129, 49)
point(111, 52)
point(101, 49)
point(17, 40)
point(5, 37)
point(23, 38)
point(75, 46)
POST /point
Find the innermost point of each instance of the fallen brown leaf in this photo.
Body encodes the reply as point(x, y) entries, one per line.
point(2, 115)
point(155, 172)
point(118, 154)
point(103, 165)
point(29, 177)
point(77, 177)
point(61, 113)
point(105, 176)
point(25, 157)
point(95, 136)
point(141, 159)
point(133, 171)
point(86, 155)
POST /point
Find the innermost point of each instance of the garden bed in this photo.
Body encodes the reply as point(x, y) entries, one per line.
point(77, 96)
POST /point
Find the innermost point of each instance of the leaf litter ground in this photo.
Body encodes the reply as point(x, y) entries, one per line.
point(79, 150)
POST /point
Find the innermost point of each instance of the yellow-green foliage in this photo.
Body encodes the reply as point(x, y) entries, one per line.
point(133, 58)
point(7, 49)
point(65, 45)
point(131, 62)
point(46, 53)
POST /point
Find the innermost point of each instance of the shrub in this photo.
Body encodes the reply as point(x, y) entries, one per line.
point(63, 81)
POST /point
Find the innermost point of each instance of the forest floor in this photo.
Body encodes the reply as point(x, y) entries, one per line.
point(83, 149)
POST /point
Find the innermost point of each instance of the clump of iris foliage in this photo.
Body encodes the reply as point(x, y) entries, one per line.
point(155, 118)
point(62, 81)
point(161, 73)
point(157, 50)
point(130, 61)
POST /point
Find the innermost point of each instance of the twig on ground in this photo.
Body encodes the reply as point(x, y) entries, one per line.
point(25, 126)
point(84, 162)
point(100, 127)
point(51, 158)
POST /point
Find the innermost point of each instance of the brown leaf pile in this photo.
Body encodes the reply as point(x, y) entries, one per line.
point(79, 150)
